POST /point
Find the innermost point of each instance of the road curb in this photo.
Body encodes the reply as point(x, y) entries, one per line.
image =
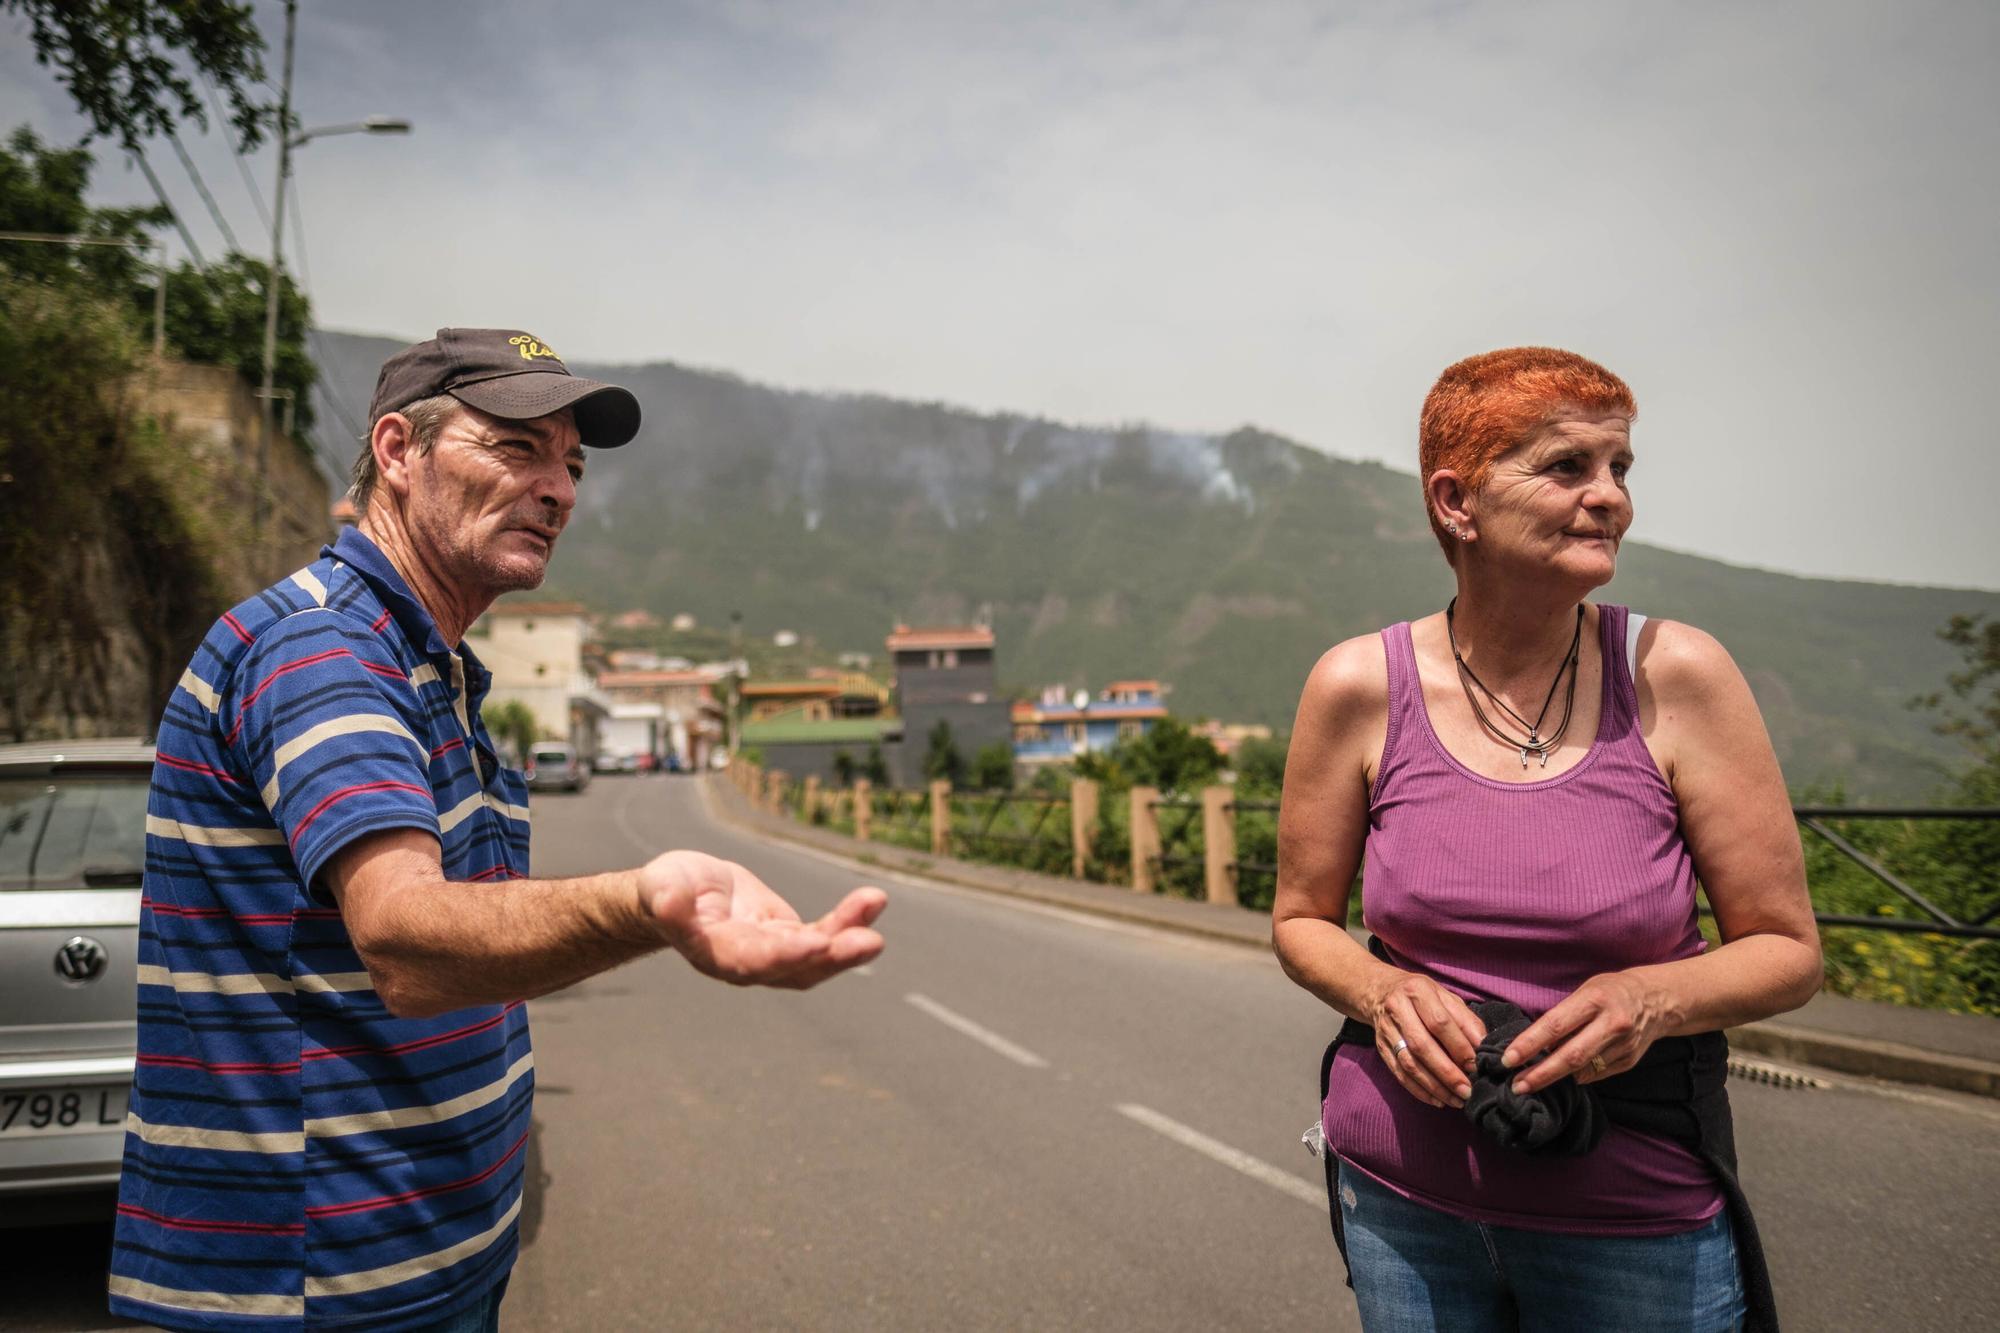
point(1865, 1056)
point(1868, 1057)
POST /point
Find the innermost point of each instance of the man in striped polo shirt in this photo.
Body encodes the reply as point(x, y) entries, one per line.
point(337, 935)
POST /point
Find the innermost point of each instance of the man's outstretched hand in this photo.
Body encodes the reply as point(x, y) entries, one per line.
point(729, 924)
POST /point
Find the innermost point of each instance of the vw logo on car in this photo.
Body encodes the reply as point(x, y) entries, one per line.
point(81, 960)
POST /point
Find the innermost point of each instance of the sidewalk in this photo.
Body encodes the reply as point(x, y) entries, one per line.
point(1957, 1052)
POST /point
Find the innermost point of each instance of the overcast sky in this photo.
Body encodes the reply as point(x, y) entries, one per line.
point(1776, 220)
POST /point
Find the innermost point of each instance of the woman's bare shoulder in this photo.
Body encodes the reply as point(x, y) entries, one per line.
point(1678, 663)
point(1350, 680)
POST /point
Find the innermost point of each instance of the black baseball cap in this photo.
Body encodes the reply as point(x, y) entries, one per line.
point(509, 374)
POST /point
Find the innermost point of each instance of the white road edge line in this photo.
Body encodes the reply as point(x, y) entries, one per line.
point(1255, 1168)
point(986, 1037)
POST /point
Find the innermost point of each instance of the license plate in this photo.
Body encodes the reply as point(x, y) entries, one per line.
point(90, 1109)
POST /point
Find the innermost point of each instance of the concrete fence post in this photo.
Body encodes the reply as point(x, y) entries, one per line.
point(1145, 838)
point(1082, 824)
point(864, 808)
point(940, 818)
point(775, 782)
point(1218, 837)
point(812, 797)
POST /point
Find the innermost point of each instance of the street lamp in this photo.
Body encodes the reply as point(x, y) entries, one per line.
point(370, 125)
point(287, 141)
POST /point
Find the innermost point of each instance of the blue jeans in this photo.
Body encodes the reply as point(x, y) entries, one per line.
point(1417, 1270)
point(482, 1316)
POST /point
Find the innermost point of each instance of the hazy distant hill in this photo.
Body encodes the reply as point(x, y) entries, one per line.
point(1223, 565)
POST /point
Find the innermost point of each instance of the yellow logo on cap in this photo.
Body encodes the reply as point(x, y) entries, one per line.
point(530, 349)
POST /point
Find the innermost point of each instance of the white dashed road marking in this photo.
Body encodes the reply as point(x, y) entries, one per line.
point(986, 1037)
point(1255, 1168)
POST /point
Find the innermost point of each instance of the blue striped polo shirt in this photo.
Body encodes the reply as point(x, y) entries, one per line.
point(296, 1157)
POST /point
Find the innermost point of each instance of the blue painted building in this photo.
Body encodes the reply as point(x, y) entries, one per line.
point(1057, 729)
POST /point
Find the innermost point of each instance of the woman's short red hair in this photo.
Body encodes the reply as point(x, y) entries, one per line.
point(1487, 404)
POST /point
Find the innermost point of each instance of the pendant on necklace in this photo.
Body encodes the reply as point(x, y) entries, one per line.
point(1524, 758)
point(1545, 758)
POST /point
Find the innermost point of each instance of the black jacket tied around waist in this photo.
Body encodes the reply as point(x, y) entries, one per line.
point(1677, 1091)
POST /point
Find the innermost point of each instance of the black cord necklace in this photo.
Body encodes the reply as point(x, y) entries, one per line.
point(1535, 743)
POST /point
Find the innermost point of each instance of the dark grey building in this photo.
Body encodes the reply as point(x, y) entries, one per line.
point(946, 675)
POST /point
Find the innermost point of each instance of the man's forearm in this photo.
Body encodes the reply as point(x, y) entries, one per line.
point(432, 947)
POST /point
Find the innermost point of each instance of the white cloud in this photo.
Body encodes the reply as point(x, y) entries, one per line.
point(1773, 218)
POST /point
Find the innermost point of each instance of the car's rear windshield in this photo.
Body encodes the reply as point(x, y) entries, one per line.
point(552, 756)
point(72, 832)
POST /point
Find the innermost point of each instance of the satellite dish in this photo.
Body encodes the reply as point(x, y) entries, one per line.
point(1081, 699)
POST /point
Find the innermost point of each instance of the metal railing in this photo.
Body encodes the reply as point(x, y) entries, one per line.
point(1034, 830)
point(1255, 868)
point(900, 817)
point(1179, 865)
point(1812, 818)
point(1012, 828)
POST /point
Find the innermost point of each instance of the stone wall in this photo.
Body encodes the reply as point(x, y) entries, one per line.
point(218, 415)
point(212, 429)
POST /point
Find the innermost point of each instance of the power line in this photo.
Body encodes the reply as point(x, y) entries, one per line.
point(201, 188)
point(159, 191)
point(242, 163)
point(335, 398)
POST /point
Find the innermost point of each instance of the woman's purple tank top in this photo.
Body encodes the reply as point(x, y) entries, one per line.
point(1521, 892)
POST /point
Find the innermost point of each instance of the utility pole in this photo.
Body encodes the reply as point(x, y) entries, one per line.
point(275, 279)
point(735, 680)
point(287, 141)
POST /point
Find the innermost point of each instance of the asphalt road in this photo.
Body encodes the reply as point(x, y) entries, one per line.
point(1024, 1118)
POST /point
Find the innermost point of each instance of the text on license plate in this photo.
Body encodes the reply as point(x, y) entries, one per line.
point(91, 1108)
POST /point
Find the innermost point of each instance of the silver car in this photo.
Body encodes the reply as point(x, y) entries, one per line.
point(72, 858)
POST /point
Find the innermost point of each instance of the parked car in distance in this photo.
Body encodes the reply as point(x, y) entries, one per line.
point(555, 766)
point(72, 862)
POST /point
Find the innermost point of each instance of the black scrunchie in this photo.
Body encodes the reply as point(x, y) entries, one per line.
point(1562, 1120)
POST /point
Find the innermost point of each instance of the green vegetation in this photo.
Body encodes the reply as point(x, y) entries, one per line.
point(512, 723)
point(942, 760)
point(993, 767)
point(215, 317)
point(1950, 862)
point(112, 533)
point(876, 767)
point(1168, 756)
point(1103, 553)
point(124, 62)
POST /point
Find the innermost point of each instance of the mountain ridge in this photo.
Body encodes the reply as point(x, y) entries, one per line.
point(1222, 563)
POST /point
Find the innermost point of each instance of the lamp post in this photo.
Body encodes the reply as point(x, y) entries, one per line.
point(287, 141)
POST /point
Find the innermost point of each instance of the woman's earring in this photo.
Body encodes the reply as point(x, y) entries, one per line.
point(1451, 527)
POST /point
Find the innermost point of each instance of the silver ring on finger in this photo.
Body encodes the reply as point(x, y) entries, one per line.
point(1402, 1044)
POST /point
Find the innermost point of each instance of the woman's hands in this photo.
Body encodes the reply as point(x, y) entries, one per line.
point(1599, 1029)
point(1427, 1037)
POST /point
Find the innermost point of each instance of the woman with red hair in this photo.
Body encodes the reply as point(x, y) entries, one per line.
point(1524, 1111)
